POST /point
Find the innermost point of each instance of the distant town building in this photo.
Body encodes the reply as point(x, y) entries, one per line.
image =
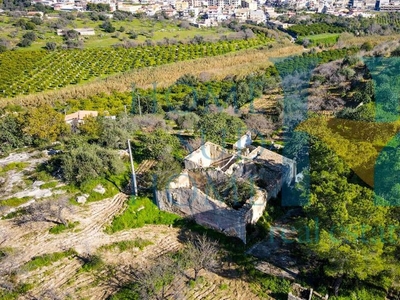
point(81, 31)
point(79, 116)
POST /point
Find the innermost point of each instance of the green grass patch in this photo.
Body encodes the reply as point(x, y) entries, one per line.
point(223, 286)
point(141, 211)
point(128, 244)
point(49, 185)
point(14, 201)
point(111, 186)
point(47, 259)
point(61, 227)
point(41, 175)
point(323, 39)
point(14, 166)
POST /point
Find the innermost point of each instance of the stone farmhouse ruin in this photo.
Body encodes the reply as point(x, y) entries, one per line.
point(227, 189)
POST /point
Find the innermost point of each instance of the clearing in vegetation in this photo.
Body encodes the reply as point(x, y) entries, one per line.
point(325, 39)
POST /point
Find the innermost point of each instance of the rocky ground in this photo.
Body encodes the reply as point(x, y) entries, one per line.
point(65, 279)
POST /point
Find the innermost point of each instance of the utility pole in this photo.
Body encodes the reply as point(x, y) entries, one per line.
point(133, 184)
point(138, 99)
point(140, 109)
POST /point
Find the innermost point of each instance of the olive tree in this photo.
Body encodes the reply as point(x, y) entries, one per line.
point(89, 162)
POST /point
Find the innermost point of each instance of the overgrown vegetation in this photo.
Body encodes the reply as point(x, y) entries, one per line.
point(91, 262)
point(128, 244)
point(47, 259)
point(13, 166)
point(62, 227)
point(141, 211)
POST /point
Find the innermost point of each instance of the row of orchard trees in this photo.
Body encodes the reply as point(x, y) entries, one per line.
point(303, 30)
point(44, 71)
point(383, 24)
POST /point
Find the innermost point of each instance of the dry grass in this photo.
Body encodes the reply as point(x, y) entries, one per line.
point(218, 67)
point(375, 39)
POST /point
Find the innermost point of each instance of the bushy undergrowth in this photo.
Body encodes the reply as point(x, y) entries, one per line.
point(92, 263)
point(126, 293)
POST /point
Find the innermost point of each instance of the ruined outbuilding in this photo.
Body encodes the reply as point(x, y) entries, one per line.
point(226, 190)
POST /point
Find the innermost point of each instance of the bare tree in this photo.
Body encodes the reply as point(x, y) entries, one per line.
point(152, 282)
point(200, 254)
point(259, 124)
point(193, 144)
point(150, 122)
point(46, 211)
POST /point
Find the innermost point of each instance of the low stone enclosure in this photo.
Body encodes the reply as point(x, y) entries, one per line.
point(226, 190)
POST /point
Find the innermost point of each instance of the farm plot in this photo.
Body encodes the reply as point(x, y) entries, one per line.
point(42, 71)
point(325, 39)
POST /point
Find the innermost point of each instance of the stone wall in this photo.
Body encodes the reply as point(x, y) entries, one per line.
point(192, 202)
point(207, 155)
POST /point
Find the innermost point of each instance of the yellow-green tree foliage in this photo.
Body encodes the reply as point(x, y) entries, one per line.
point(44, 124)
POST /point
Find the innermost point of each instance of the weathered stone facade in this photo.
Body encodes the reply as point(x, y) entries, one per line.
point(185, 197)
point(191, 194)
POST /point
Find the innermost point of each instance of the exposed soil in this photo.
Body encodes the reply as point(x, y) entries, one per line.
point(65, 278)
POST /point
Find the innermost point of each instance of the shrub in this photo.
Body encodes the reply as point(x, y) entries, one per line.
point(83, 164)
point(25, 43)
point(30, 36)
point(92, 263)
point(51, 46)
point(367, 46)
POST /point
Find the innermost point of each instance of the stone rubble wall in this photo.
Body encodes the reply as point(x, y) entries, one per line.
point(192, 202)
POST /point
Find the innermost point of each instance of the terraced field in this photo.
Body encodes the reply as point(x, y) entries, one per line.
point(64, 278)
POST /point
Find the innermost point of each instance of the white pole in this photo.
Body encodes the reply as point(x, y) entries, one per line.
point(134, 186)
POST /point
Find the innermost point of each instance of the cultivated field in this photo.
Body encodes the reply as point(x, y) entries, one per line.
point(239, 63)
